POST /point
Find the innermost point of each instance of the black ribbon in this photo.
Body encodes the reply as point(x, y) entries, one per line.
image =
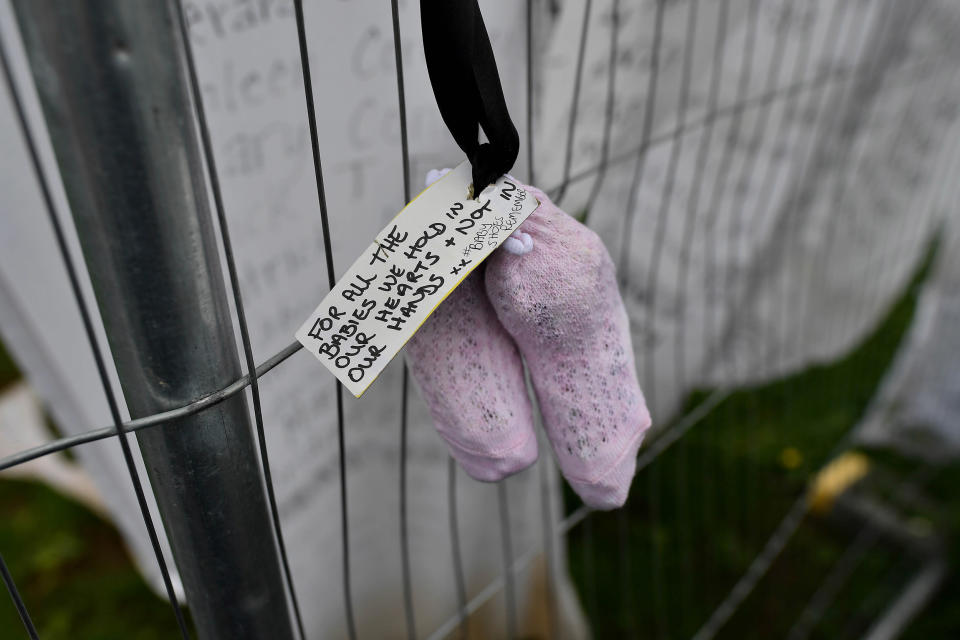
point(466, 83)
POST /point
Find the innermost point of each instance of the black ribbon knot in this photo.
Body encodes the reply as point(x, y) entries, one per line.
point(463, 73)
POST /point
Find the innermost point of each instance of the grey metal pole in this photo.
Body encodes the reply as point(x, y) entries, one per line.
point(114, 91)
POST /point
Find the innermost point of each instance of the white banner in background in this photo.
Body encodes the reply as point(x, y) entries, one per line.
point(800, 208)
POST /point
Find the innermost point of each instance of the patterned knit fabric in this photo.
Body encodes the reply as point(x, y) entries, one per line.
point(471, 377)
point(561, 304)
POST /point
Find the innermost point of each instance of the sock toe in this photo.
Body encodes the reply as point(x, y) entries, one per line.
point(610, 491)
point(493, 466)
point(561, 304)
point(470, 375)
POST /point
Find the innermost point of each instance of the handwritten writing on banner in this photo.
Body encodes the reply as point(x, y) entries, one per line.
point(411, 266)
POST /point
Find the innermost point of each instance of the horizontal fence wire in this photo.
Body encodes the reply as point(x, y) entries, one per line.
point(797, 88)
point(521, 562)
point(234, 279)
point(18, 600)
point(897, 571)
point(119, 430)
point(648, 454)
point(146, 422)
point(833, 582)
point(778, 541)
point(242, 382)
point(331, 281)
point(791, 522)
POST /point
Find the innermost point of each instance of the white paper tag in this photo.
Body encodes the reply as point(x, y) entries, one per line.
point(412, 265)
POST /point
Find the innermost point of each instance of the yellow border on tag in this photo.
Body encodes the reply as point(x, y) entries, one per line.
point(423, 191)
point(454, 288)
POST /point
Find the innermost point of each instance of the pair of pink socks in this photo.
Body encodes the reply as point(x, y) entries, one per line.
point(552, 298)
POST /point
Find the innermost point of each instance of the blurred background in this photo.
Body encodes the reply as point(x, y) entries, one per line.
point(776, 182)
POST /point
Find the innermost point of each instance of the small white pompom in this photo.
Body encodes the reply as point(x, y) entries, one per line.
point(519, 243)
point(433, 175)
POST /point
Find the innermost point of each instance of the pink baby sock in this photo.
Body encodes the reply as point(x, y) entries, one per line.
point(560, 302)
point(471, 377)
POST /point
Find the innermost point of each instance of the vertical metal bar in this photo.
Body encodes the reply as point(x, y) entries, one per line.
point(624, 568)
point(609, 108)
point(241, 318)
point(710, 469)
point(589, 568)
point(680, 359)
point(769, 207)
point(18, 600)
point(85, 319)
point(897, 568)
point(401, 99)
point(530, 51)
point(911, 601)
point(773, 83)
point(549, 534)
point(828, 112)
point(623, 264)
point(757, 569)
point(458, 577)
point(878, 522)
point(408, 609)
point(509, 587)
point(331, 279)
point(832, 583)
point(115, 96)
point(666, 196)
point(693, 198)
point(893, 25)
point(546, 511)
point(802, 193)
point(572, 122)
point(721, 181)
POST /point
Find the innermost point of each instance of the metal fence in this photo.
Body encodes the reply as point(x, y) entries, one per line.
point(99, 73)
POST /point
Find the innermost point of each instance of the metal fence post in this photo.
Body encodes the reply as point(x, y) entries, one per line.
point(114, 91)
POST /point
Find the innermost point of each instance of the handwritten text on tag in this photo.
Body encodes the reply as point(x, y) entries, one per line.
point(412, 265)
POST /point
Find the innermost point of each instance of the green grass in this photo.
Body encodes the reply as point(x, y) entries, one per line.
point(71, 566)
point(73, 571)
point(699, 515)
point(8, 370)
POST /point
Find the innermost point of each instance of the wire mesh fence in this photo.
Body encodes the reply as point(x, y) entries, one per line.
point(721, 148)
